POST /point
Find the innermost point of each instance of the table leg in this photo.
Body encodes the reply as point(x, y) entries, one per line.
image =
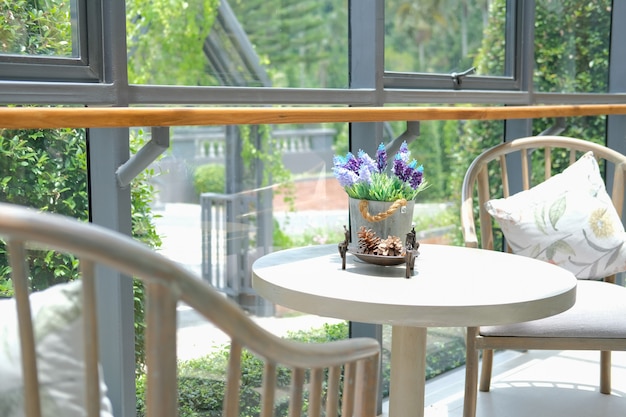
point(408, 371)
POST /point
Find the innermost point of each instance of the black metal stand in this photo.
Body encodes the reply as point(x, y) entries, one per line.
point(411, 253)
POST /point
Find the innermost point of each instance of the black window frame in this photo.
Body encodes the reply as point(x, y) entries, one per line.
point(87, 67)
point(511, 81)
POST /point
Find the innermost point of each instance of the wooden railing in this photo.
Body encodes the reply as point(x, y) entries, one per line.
point(84, 117)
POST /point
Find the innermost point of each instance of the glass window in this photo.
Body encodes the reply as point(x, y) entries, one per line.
point(444, 36)
point(213, 222)
point(591, 128)
point(47, 170)
point(572, 46)
point(287, 43)
point(47, 40)
point(245, 180)
point(45, 28)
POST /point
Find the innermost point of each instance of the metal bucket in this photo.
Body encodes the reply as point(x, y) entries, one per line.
point(382, 218)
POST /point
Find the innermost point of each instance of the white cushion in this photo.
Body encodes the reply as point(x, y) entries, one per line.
point(598, 313)
point(568, 220)
point(58, 323)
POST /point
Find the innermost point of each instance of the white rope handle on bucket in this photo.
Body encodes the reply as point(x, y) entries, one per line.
point(363, 208)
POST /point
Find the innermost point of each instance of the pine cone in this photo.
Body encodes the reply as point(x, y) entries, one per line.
point(368, 241)
point(392, 246)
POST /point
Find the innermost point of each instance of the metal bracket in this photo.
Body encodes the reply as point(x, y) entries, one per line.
point(556, 129)
point(409, 135)
point(158, 144)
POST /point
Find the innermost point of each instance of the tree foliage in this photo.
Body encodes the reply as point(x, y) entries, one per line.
point(165, 40)
point(300, 43)
point(35, 27)
point(433, 35)
point(46, 170)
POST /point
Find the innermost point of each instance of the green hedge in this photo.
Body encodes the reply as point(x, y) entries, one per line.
point(201, 381)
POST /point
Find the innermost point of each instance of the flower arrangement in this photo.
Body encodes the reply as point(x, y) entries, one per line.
point(366, 179)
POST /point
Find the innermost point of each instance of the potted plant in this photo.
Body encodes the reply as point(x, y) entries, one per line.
point(373, 187)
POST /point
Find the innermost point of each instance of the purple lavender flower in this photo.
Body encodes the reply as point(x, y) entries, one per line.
point(345, 177)
point(358, 175)
point(408, 171)
point(417, 177)
point(352, 163)
point(366, 163)
point(403, 152)
point(399, 168)
point(339, 161)
point(365, 174)
point(342, 170)
point(381, 157)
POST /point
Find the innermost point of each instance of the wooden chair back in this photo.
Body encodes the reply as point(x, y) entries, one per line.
point(351, 365)
point(490, 172)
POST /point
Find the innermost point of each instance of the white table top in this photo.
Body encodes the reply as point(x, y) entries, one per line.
point(450, 286)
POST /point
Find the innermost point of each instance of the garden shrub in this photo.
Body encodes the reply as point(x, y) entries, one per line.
point(47, 170)
point(210, 178)
point(201, 380)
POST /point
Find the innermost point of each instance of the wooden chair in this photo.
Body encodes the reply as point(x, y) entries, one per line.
point(352, 361)
point(589, 325)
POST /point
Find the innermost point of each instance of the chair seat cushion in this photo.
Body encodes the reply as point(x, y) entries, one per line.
point(599, 311)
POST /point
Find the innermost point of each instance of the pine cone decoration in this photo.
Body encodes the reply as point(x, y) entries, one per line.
point(368, 241)
point(370, 244)
point(392, 246)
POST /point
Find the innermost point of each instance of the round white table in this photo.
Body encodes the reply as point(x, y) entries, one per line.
point(450, 286)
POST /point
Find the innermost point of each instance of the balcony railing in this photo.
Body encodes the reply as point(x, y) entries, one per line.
point(99, 117)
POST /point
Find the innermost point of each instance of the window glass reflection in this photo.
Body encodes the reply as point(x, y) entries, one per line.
point(572, 46)
point(277, 43)
point(227, 192)
point(444, 36)
point(45, 28)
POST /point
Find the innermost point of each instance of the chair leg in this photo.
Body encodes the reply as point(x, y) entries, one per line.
point(485, 373)
point(471, 373)
point(605, 372)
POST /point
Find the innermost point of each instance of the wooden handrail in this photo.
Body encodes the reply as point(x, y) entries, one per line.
point(84, 117)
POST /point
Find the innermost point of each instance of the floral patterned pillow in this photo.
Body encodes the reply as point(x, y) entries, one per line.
point(568, 220)
point(58, 323)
